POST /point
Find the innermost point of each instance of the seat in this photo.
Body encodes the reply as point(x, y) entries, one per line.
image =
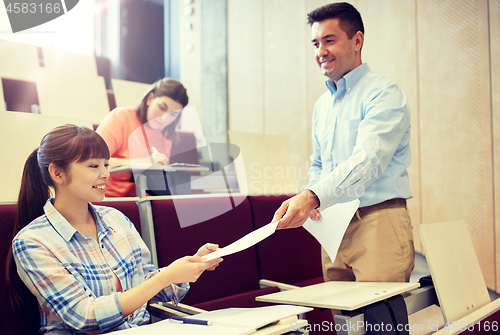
point(24, 320)
point(127, 93)
point(184, 151)
point(457, 276)
point(237, 276)
point(22, 133)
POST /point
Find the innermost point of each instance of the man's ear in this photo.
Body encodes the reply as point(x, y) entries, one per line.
point(359, 38)
point(57, 174)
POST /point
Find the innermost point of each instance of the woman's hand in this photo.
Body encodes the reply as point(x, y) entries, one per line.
point(158, 158)
point(187, 269)
point(205, 250)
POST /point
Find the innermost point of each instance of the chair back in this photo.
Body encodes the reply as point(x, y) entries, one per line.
point(454, 267)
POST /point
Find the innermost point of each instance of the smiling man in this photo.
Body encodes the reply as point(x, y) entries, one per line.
point(361, 150)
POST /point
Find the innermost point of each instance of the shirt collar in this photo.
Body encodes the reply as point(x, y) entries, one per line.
point(349, 80)
point(65, 229)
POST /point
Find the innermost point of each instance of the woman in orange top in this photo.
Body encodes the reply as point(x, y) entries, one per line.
point(131, 133)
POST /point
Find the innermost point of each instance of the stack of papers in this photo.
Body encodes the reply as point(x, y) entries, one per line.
point(254, 318)
point(230, 321)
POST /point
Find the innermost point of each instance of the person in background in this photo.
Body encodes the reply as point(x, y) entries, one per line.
point(87, 265)
point(152, 123)
point(361, 150)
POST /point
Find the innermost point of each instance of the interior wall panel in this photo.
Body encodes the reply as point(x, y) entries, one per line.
point(285, 81)
point(495, 90)
point(315, 78)
point(455, 115)
point(245, 66)
point(390, 49)
point(190, 52)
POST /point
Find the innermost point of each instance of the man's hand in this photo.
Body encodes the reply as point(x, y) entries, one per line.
point(315, 215)
point(295, 211)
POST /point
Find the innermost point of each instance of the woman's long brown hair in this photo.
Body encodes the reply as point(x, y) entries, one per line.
point(61, 146)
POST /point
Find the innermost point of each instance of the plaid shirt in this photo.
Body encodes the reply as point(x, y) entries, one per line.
point(70, 273)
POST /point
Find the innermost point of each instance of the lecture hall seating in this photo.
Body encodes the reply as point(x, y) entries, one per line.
point(235, 283)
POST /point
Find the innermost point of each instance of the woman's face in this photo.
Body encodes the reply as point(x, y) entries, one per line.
point(162, 111)
point(86, 181)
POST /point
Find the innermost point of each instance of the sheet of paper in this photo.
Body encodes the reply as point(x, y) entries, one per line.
point(245, 242)
point(330, 229)
point(230, 321)
point(252, 317)
point(167, 327)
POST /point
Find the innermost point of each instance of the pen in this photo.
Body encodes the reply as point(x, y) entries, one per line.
point(156, 151)
point(176, 319)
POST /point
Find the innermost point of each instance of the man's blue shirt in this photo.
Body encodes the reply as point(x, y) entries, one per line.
point(361, 141)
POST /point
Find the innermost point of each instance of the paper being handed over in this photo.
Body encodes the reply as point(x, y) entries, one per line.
point(245, 242)
point(330, 228)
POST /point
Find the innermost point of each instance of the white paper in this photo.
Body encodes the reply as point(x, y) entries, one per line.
point(167, 327)
point(230, 321)
point(245, 242)
point(252, 317)
point(330, 228)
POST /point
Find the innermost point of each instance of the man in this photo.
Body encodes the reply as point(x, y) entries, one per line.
point(361, 135)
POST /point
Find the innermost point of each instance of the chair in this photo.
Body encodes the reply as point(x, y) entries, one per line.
point(266, 167)
point(184, 151)
point(76, 95)
point(24, 320)
point(68, 62)
point(456, 275)
point(2, 99)
point(18, 61)
point(21, 133)
point(19, 95)
point(223, 225)
point(127, 93)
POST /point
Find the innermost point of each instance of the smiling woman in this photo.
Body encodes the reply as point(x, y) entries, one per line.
point(87, 265)
point(154, 120)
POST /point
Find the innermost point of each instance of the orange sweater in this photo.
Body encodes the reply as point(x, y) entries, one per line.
point(116, 129)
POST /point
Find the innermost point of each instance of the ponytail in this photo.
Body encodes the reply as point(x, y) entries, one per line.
point(33, 194)
point(32, 197)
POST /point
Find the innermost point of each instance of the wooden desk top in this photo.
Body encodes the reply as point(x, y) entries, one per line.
point(339, 295)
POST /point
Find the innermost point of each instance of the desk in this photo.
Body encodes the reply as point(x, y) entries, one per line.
point(157, 328)
point(346, 296)
point(218, 328)
point(143, 171)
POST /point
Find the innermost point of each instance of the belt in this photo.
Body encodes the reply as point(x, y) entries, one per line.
point(391, 203)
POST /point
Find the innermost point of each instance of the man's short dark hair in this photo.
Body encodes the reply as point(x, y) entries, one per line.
point(349, 18)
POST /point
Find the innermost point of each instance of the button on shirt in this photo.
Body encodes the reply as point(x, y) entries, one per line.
point(361, 141)
point(71, 274)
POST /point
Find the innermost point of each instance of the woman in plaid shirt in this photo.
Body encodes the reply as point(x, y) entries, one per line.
point(87, 265)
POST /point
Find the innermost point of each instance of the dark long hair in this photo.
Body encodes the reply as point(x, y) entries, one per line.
point(164, 87)
point(61, 146)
